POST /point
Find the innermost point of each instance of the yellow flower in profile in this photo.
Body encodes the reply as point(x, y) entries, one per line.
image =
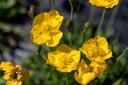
point(65, 59)
point(96, 49)
point(14, 74)
point(104, 3)
point(86, 73)
point(46, 28)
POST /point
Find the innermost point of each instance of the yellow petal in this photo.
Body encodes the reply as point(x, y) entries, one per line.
point(5, 66)
point(55, 38)
point(25, 76)
point(39, 35)
point(98, 68)
point(14, 82)
point(55, 19)
point(42, 18)
point(64, 48)
point(104, 3)
point(84, 74)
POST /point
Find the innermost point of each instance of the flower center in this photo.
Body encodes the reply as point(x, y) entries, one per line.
point(14, 75)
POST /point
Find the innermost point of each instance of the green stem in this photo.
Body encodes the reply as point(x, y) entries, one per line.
point(41, 5)
point(84, 33)
point(112, 18)
point(91, 15)
point(71, 15)
point(38, 53)
point(66, 78)
point(71, 18)
point(98, 32)
point(78, 7)
point(52, 6)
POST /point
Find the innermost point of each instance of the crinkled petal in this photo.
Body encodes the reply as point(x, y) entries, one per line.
point(55, 38)
point(64, 61)
point(96, 49)
point(104, 3)
point(25, 76)
point(5, 66)
point(14, 82)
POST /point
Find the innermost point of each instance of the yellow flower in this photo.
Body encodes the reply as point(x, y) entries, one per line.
point(104, 3)
point(96, 49)
point(84, 73)
point(64, 58)
point(46, 28)
point(14, 74)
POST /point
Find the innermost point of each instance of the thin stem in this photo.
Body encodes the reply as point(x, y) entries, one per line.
point(41, 5)
point(84, 33)
point(78, 7)
point(91, 18)
point(71, 18)
point(71, 15)
point(66, 78)
point(38, 53)
point(91, 15)
point(101, 22)
point(52, 6)
point(112, 18)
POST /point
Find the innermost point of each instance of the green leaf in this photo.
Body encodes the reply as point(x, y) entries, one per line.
point(117, 82)
point(123, 54)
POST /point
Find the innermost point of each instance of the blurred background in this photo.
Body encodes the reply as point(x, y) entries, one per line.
point(15, 26)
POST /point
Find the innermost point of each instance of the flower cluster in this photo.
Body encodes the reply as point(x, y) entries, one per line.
point(97, 51)
point(14, 74)
point(65, 59)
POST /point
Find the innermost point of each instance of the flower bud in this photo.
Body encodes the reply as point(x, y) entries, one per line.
point(87, 25)
point(69, 25)
point(38, 49)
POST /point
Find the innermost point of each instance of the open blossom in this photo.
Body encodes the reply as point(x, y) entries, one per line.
point(64, 58)
point(96, 49)
point(86, 73)
point(104, 3)
point(46, 28)
point(14, 74)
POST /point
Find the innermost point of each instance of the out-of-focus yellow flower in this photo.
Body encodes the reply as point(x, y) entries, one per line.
point(86, 73)
point(46, 28)
point(64, 58)
point(96, 49)
point(104, 3)
point(14, 74)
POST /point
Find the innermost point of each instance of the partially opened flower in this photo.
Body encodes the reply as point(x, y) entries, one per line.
point(65, 59)
point(96, 49)
point(104, 3)
point(86, 73)
point(46, 28)
point(14, 74)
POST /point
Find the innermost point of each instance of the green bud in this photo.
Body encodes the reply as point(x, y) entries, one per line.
point(38, 49)
point(87, 25)
point(69, 25)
